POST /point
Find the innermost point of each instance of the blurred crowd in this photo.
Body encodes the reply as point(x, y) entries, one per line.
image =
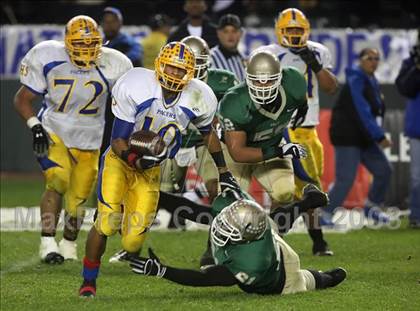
point(254, 13)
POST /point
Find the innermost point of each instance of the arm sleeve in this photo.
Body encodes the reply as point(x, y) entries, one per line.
point(31, 72)
point(326, 58)
point(214, 276)
point(356, 84)
point(121, 129)
point(408, 79)
point(185, 208)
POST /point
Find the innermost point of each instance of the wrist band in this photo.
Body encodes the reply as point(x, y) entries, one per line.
point(129, 157)
point(32, 121)
point(218, 159)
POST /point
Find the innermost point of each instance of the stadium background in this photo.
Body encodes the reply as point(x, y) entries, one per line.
point(345, 27)
point(382, 263)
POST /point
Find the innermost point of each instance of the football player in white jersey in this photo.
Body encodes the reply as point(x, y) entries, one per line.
point(314, 61)
point(74, 78)
point(164, 101)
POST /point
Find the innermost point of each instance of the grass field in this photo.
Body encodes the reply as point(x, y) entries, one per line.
point(383, 272)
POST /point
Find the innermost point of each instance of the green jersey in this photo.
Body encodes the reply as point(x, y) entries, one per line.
point(237, 111)
point(256, 265)
point(219, 81)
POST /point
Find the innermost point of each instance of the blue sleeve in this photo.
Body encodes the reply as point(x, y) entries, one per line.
point(121, 129)
point(135, 53)
point(356, 84)
point(408, 79)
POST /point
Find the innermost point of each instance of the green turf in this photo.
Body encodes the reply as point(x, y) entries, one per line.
point(27, 192)
point(20, 192)
point(383, 274)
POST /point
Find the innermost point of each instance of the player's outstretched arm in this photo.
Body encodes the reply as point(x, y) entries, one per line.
point(185, 208)
point(213, 276)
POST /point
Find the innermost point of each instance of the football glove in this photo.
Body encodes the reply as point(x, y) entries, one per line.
point(147, 266)
point(228, 182)
point(41, 141)
point(308, 56)
point(146, 162)
point(300, 116)
point(292, 151)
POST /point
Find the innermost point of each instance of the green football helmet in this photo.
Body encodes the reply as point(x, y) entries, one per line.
point(202, 55)
point(242, 221)
point(263, 77)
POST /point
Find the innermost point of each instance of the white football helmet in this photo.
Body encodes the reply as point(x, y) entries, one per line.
point(242, 221)
point(263, 77)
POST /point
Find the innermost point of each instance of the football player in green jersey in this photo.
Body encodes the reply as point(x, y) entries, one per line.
point(254, 115)
point(247, 247)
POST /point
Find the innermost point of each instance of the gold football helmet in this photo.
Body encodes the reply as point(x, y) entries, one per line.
point(83, 41)
point(292, 18)
point(175, 54)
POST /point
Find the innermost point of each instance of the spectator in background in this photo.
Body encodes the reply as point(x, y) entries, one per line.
point(358, 137)
point(112, 21)
point(196, 24)
point(160, 25)
point(225, 55)
point(408, 83)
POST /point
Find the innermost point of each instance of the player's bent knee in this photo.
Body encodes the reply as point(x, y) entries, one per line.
point(57, 179)
point(283, 193)
point(132, 243)
point(109, 223)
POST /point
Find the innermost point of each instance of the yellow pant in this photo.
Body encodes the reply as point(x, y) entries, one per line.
point(309, 169)
point(127, 200)
point(71, 172)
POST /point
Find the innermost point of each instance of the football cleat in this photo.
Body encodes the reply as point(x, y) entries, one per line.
point(337, 275)
point(49, 252)
point(88, 289)
point(315, 196)
point(123, 255)
point(68, 249)
point(321, 249)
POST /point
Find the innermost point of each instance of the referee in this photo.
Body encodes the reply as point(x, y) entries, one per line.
point(225, 55)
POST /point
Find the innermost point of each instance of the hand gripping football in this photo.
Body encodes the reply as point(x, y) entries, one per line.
point(147, 143)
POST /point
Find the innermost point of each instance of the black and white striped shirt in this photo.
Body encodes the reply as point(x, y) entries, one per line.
point(231, 61)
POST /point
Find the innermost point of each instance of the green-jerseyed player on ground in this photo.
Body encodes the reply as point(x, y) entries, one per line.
point(192, 148)
point(254, 115)
point(247, 248)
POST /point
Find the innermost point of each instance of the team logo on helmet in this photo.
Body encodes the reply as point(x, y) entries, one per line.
point(178, 55)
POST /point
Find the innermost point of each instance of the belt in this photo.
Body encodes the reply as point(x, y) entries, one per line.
point(307, 127)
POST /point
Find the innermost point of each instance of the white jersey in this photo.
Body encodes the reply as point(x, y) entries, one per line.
point(74, 100)
point(138, 99)
point(288, 58)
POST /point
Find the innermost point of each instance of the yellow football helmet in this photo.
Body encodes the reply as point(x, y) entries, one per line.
point(292, 18)
point(178, 55)
point(83, 41)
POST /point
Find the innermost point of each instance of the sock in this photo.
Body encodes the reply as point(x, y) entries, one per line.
point(90, 269)
point(317, 236)
point(286, 216)
point(45, 234)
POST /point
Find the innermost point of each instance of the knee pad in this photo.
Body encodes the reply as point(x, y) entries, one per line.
point(57, 179)
point(283, 192)
point(133, 242)
point(108, 223)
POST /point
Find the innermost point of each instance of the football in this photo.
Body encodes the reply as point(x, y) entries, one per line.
point(146, 143)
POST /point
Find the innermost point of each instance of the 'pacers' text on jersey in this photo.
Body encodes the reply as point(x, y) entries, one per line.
point(138, 99)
